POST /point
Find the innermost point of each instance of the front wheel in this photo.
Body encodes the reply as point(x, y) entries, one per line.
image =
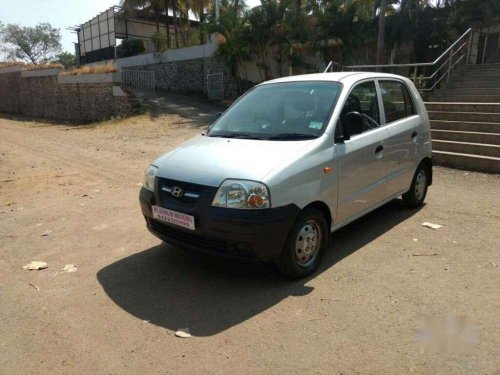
point(416, 195)
point(305, 244)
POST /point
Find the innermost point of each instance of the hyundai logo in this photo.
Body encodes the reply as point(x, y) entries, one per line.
point(177, 192)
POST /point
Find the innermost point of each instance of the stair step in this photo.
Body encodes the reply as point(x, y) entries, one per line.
point(466, 136)
point(478, 72)
point(467, 147)
point(468, 89)
point(470, 126)
point(489, 66)
point(466, 161)
point(464, 116)
point(463, 107)
point(462, 77)
point(445, 97)
point(471, 85)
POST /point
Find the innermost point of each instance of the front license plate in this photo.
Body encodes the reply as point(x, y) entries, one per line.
point(173, 217)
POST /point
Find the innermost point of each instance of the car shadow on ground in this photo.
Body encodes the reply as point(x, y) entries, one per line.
point(175, 288)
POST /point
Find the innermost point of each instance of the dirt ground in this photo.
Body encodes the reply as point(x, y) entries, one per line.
point(360, 314)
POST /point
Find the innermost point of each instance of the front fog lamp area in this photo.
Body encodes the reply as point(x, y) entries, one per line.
point(242, 195)
point(149, 178)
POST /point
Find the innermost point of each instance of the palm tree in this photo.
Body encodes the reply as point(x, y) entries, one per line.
point(199, 7)
point(200, 11)
point(148, 5)
point(176, 22)
point(346, 24)
point(381, 32)
point(234, 50)
point(167, 22)
point(407, 28)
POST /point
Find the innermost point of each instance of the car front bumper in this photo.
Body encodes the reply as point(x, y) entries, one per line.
point(258, 234)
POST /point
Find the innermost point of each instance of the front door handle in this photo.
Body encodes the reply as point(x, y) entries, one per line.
point(379, 149)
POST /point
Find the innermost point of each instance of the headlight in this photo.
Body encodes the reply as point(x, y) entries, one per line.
point(242, 194)
point(149, 178)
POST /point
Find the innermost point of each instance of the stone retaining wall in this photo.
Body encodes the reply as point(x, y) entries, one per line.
point(46, 94)
point(186, 76)
point(10, 92)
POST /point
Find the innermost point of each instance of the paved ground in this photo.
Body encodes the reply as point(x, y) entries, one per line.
point(118, 312)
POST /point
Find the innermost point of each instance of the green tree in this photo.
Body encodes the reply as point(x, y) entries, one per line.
point(38, 44)
point(199, 8)
point(473, 13)
point(381, 32)
point(159, 41)
point(233, 51)
point(67, 59)
point(151, 9)
point(148, 6)
point(264, 35)
point(348, 25)
point(130, 47)
point(272, 30)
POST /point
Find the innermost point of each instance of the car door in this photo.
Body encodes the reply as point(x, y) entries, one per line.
point(362, 170)
point(403, 125)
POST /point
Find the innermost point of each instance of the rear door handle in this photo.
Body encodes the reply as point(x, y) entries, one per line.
point(379, 149)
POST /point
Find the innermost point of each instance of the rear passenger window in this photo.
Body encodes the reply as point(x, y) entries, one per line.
point(363, 99)
point(397, 101)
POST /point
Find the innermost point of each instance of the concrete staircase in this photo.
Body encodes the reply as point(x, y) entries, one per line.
point(465, 119)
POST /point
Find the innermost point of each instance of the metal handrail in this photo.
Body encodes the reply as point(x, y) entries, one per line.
point(469, 30)
point(439, 80)
point(445, 62)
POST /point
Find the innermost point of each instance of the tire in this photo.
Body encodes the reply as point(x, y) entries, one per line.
point(310, 228)
point(416, 195)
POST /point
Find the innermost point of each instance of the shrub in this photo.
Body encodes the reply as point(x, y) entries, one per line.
point(130, 47)
point(45, 66)
point(11, 63)
point(159, 41)
point(91, 69)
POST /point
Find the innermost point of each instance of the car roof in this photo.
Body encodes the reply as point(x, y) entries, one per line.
point(344, 77)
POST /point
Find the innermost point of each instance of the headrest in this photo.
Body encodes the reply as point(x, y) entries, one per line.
point(352, 104)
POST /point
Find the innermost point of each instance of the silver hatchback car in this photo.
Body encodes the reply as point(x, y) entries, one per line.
point(291, 161)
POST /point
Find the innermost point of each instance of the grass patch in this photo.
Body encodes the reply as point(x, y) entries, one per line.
point(11, 63)
point(45, 66)
point(31, 66)
point(91, 69)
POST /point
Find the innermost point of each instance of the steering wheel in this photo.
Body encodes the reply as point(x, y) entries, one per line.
point(372, 124)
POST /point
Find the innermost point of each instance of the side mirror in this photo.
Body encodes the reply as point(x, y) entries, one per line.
point(352, 124)
point(219, 114)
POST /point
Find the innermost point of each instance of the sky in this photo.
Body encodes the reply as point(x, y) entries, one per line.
point(60, 13)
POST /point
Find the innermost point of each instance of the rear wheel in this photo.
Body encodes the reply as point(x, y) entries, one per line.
point(305, 244)
point(416, 195)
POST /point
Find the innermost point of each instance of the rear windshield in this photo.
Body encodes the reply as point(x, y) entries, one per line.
point(281, 111)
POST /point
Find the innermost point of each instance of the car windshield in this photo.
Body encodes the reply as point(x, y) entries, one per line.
point(279, 111)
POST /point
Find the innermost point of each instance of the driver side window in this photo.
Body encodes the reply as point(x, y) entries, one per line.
point(363, 99)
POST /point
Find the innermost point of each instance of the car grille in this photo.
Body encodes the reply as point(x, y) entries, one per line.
point(191, 192)
point(231, 248)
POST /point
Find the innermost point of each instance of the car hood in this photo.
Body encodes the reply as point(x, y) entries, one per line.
point(210, 160)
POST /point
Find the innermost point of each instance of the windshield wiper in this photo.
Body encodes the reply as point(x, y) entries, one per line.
point(236, 135)
point(285, 136)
